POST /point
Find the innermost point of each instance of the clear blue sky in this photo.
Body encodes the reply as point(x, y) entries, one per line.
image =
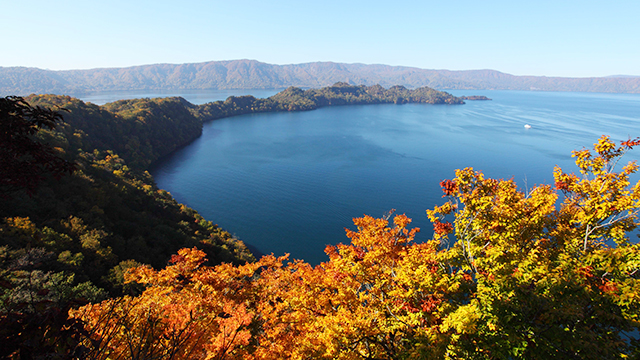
point(553, 38)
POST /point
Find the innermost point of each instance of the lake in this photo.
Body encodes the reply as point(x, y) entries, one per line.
point(197, 97)
point(291, 182)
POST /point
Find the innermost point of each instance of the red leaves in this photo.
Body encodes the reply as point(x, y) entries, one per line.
point(601, 283)
point(176, 259)
point(561, 185)
point(331, 250)
point(426, 305)
point(449, 187)
point(339, 276)
point(586, 271)
point(430, 304)
point(358, 254)
point(629, 144)
point(607, 286)
point(442, 228)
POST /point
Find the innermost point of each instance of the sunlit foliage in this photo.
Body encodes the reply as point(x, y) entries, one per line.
point(545, 274)
point(68, 240)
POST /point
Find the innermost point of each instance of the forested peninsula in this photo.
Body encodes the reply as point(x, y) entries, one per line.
point(71, 237)
point(296, 99)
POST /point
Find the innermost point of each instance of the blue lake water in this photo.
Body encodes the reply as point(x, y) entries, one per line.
point(291, 182)
point(193, 96)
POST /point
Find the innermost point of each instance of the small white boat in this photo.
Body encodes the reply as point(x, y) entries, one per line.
point(527, 126)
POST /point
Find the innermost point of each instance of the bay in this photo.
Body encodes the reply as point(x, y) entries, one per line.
point(291, 182)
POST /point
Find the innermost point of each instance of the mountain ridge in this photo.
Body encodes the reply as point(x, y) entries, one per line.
point(252, 74)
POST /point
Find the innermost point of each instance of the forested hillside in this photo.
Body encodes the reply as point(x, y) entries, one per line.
point(86, 239)
point(97, 262)
point(78, 208)
point(109, 210)
point(251, 74)
point(68, 238)
point(140, 130)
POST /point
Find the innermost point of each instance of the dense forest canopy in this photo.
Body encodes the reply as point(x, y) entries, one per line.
point(514, 276)
point(23, 159)
point(296, 99)
point(78, 207)
point(101, 264)
point(74, 237)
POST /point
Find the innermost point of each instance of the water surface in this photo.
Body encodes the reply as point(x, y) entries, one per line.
point(291, 182)
point(197, 97)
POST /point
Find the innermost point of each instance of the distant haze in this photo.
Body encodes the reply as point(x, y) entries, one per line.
point(623, 76)
point(251, 74)
point(588, 38)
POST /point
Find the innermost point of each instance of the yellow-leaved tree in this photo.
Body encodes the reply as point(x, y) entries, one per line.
point(551, 281)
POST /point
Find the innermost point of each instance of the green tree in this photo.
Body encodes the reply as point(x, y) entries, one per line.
point(24, 161)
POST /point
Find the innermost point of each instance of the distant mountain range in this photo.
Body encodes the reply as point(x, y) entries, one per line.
point(251, 74)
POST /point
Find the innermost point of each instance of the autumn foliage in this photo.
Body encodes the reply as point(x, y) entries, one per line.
point(545, 274)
